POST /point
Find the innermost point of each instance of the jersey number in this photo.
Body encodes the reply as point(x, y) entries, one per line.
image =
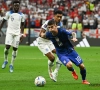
point(78, 59)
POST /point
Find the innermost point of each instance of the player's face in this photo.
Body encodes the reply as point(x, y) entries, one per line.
point(53, 29)
point(58, 17)
point(16, 7)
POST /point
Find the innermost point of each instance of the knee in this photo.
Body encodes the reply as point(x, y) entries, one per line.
point(81, 66)
point(69, 64)
point(54, 51)
point(52, 58)
point(7, 46)
point(15, 49)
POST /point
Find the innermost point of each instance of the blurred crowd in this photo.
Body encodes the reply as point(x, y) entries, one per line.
point(77, 14)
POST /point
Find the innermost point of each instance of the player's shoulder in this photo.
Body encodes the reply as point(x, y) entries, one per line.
point(61, 29)
point(20, 13)
point(12, 12)
point(9, 12)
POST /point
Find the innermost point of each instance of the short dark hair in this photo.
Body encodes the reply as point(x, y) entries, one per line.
point(15, 1)
point(58, 12)
point(51, 22)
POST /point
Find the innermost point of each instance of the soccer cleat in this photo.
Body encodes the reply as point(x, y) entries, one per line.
point(85, 82)
point(4, 64)
point(11, 68)
point(75, 76)
point(54, 77)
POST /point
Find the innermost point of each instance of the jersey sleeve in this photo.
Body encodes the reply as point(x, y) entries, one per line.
point(44, 26)
point(23, 18)
point(60, 25)
point(7, 16)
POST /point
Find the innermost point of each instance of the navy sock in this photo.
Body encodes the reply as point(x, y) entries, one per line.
point(71, 69)
point(83, 73)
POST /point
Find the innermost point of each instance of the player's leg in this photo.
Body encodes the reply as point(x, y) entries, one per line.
point(43, 47)
point(57, 67)
point(58, 62)
point(66, 61)
point(76, 59)
point(14, 54)
point(83, 73)
point(8, 42)
point(51, 59)
point(15, 45)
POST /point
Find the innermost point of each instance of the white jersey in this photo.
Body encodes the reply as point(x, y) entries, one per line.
point(44, 26)
point(46, 45)
point(14, 22)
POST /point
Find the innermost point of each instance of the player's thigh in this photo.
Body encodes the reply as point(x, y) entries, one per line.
point(64, 59)
point(44, 48)
point(75, 58)
point(52, 47)
point(16, 41)
point(8, 39)
point(50, 56)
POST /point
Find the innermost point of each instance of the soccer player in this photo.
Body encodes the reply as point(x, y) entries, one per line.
point(64, 49)
point(47, 47)
point(14, 32)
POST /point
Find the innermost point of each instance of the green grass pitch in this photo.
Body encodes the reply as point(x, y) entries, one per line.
point(31, 63)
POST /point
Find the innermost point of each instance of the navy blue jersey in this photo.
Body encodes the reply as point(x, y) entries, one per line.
point(61, 40)
point(64, 48)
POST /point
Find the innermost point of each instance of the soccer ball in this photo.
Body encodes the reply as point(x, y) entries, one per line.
point(40, 81)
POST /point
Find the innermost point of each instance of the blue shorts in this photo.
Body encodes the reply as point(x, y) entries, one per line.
point(73, 57)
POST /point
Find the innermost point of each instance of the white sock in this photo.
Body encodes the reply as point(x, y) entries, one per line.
point(6, 52)
point(50, 65)
point(14, 54)
point(58, 65)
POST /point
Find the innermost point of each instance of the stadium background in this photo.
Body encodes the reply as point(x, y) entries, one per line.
point(78, 15)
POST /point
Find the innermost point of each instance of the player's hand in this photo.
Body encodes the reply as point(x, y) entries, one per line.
point(22, 36)
point(74, 39)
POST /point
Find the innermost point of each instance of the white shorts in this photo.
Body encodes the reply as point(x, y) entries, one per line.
point(44, 45)
point(12, 40)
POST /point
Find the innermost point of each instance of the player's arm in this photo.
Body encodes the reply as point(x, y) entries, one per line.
point(2, 23)
point(22, 27)
point(74, 37)
point(43, 29)
point(22, 23)
point(22, 35)
point(42, 33)
point(4, 19)
point(70, 34)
